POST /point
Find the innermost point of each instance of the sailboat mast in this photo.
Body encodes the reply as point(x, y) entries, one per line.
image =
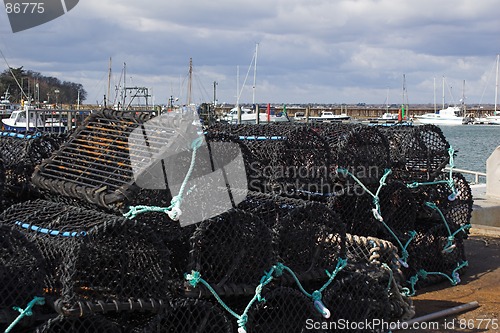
point(496, 85)
point(443, 92)
point(254, 74)
point(109, 80)
point(190, 78)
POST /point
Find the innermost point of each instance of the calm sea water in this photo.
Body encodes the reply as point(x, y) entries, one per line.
point(473, 144)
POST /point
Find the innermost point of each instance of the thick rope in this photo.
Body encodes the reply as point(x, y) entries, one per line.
point(173, 211)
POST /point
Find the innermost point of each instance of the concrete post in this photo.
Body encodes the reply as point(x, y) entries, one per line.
point(493, 174)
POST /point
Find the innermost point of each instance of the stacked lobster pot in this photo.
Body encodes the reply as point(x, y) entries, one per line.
point(419, 155)
point(152, 224)
point(20, 154)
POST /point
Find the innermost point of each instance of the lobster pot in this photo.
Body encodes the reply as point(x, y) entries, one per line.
point(417, 153)
point(456, 212)
point(90, 324)
point(360, 149)
point(230, 251)
point(22, 270)
point(21, 153)
point(362, 292)
point(282, 158)
point(94, 166)
point(307, 236)
point(285, 310)
point(431, 256)
point(398, 209)
point(93, 257)
point(188, 315)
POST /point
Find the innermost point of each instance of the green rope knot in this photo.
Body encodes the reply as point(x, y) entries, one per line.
point(423, 274)
point(193, 278)
point(242, 321)
point(175, 211)
point(316, 295)
point(278, 269)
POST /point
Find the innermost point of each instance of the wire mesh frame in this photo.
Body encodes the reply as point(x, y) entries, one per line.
point(93, 165)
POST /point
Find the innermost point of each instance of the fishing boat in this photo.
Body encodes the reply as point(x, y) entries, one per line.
point(329, 116)
point(6, 107)
point(30, 119)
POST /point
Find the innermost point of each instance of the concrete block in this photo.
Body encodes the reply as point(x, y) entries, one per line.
point(493, 174)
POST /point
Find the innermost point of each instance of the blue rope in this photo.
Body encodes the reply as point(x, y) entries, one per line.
point(20, 135)
point(25, 312)
point(51, 231)
point(173, 211)
point(261, 138)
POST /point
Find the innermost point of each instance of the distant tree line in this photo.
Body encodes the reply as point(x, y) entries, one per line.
point(39, 88)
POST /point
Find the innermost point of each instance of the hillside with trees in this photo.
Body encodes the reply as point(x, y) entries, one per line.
point(39, 88)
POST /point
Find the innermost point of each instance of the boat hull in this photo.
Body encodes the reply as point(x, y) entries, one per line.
point(56, 129)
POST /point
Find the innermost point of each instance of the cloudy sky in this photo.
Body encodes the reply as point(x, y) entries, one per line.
point(310, 51)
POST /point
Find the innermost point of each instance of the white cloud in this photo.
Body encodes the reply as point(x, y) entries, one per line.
point(309, 51)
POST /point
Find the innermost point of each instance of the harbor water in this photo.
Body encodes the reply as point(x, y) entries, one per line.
point(473, 144)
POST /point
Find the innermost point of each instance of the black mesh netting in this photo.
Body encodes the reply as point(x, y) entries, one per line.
point(454, 203)
point(22, 271)
point(188, 315)
point(281, 159)
point(398, 208)
point(93, 259)
point(231, 251)
point(430, 262)
point(307, 236)
point(95, 323)
point(359, 292)
point(301, 160)
point(21, 153)
point(418, 153)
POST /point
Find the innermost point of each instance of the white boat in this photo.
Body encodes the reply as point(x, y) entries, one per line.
point(449, 116)
point(249, 116)
point(31, 119)
point(6, 107)
point(329, 116)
